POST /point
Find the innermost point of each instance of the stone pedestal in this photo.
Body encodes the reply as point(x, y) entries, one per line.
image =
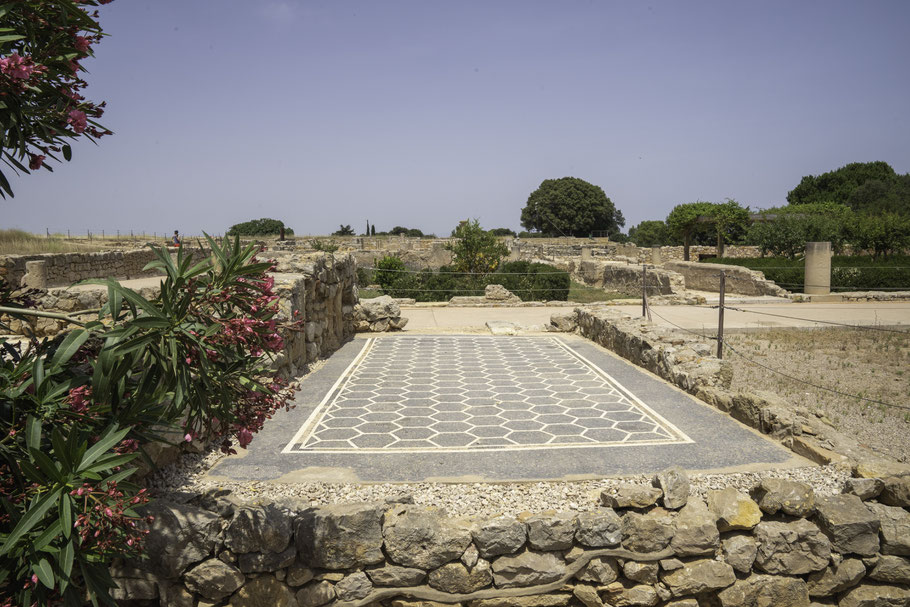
point(35, 275)
point(586, 254)
point(818, 268)
point(655, 256)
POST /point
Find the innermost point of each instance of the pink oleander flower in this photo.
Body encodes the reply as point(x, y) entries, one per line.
point(82, 44)
point(17, 67)
point(35, 162)
point(76, 118)
point(244, 437)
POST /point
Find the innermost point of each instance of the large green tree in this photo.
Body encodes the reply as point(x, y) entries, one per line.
point(786, 230)
point(840, 184)
point(570, 207)
point(731, 220)
point(650, 233)
point(475, 250)
point(258, 227)
point(683, 222)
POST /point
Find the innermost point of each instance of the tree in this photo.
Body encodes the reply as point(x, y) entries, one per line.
point(503, 232)
point(343, 230)
point(882, 235)
point(683, 222)
point(259, 227)
point(41, 104)
point(786, 230)
point(475, 250)
point(650, 233)
point(882, 196)
point(730, 222)
point(367, 233)
point(372, 230)
point(570, 206)
point(838, 185)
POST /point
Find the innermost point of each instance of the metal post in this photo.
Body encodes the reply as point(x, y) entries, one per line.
point(48, 230)
point(720, 317)
point(67, 234)
point(644, 291)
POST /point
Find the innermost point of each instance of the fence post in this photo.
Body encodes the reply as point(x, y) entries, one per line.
point(644, 290)
point(720, 316)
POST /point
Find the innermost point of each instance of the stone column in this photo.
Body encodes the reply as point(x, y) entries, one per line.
point(655, 256)
point(515, 253)
point(35, 275)
point(586, 254)
point(818, 268)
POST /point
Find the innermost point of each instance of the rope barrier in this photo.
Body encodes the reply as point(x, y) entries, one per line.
point(467, 273)
point(826, 322)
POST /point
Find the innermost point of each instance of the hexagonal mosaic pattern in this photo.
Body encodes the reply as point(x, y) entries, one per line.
point(426, 393)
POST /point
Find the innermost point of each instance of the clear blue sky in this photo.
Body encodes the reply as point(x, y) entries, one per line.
point(422, 113)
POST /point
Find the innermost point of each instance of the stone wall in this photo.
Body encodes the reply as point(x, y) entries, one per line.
point(642, 545)
point(67, 268)
point(625, 278)
point(706, 277)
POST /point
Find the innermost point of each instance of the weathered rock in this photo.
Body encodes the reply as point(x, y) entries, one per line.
point(298, 574)
point(683, 603)
point(896, 491)
point(790, 497)
point(376, 308)
point(419, 603)
point(836, 578)
point(699, 576)
point(538, 600)
point(353, 587)
point(599, 528)
point(850, 526)
point(892, 569)
point(765, 591)
point(500, 535)
point(864, 488)
point(628, 495)
point(646, 573)
point(587, 595)
point(739, 552)
point(565, 322)
point(895, 528)
point(671, 564)
point(455, 578)
point(527, 569)
point(176, 595)
point(470, 556)
point(264, 591)
point(500, 294)
point(392, 575)
point(733, 510)
point(601, 570)
point(696, 530)
point(144, 586)
point(791, 548)
point(421, 538)
point(180, 536)
point(315, 594)
point(552, 531)
point(638, 595)
point(214, 579)
point(876, 595)
point(266, 561)
point(674, 482)
point(880, 468)
point(341, 536)
point(263, 528)
point(647, 532)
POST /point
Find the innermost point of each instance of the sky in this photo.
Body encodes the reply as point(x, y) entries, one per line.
point(423, 113)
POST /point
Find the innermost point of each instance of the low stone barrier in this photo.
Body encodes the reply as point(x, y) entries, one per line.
point(67, 268)
point(706, 277)
point(626, 278)
point(645, 545)
point(378, 315)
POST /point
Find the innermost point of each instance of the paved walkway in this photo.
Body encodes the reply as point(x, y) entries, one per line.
point(406, 408)
point(758, 316)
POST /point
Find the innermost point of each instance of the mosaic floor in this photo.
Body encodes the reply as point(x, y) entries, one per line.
point(474, 393)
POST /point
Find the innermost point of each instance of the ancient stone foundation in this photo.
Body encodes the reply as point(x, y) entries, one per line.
point(642, 545)
point(67, 268)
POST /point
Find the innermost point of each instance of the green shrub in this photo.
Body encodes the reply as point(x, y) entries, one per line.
point(848, 272)
point(259, 227)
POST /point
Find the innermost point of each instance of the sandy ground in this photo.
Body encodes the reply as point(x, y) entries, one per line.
point(869, 364)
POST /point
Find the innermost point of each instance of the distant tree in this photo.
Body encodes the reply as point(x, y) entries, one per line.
point(402, 231)
point(373, 230)
point(882, 235)
point(650, 233)
point(415, 233)
point(259, 227)
point(786, 230)
point(570, 206)
point(838, 185)
point(731, 220)
point(503, 232)
point(475, 250)
point(882, 196)
point(683, 221)
point(367, 233)
point(343, 230)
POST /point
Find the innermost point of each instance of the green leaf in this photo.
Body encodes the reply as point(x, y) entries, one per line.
point(33, 432)
point(45, 573)
point(66, 515)
point(70, 345)
point(112, 461)
point(48, 535)
point(110, 438)
point(67, 152)
point(4, 185)
point(46, 464)
point(66, 564)
point(35, 513)
point(11, 38)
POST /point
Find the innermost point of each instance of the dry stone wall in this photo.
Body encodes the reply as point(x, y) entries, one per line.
point(67, 268)
point(625, 278)
point(706, 277)
point(646, 545)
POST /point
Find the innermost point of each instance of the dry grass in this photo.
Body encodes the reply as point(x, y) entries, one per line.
point(873, 365)
point(19, 242)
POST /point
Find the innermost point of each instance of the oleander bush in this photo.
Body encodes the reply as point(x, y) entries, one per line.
point(76, 411)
